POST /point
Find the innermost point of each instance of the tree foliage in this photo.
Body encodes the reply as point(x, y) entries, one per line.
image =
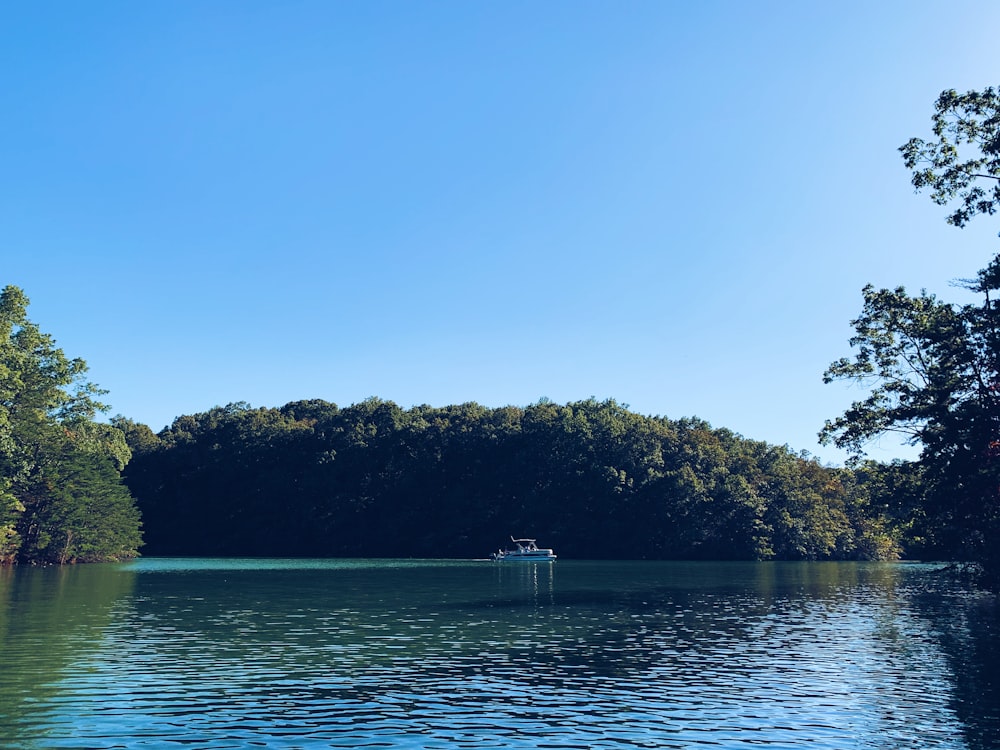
point(913, 354)
point(61, 495)
point(964, 160)
point(931, 373)
point(932, 368)
point(591, 478)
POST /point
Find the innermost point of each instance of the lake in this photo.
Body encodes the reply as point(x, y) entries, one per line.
point(196, 653)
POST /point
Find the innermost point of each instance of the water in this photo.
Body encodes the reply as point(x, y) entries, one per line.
point(447, 654)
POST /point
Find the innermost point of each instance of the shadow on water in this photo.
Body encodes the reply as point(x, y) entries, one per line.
point(966, 625)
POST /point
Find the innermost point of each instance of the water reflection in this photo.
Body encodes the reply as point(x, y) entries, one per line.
point(418, 654)
point(967, 630)
point(533, 584)
point(51, 619)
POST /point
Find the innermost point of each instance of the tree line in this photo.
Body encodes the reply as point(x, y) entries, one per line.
point(591, 478)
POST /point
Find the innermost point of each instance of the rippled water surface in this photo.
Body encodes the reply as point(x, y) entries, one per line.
point(447, 654)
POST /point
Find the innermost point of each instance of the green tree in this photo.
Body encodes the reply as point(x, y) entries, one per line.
point(932, 367)
point(61, 498)
point(963, 123)
point(79, 510)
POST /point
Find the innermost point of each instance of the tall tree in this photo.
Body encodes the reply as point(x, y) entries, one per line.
point(932, 367)
point(61, 498)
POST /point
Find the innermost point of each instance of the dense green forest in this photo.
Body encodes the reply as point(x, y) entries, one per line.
point(591, 478)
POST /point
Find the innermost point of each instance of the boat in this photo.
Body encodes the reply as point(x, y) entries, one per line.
point(526, 550)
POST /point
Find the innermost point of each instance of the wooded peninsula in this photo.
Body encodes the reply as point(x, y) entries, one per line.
point(592, 478)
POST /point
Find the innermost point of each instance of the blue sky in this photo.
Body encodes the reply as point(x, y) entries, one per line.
point(671, 204)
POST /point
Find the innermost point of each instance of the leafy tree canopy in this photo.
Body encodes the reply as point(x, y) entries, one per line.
point(55, 459)
point(932, 368)
point(964, 160)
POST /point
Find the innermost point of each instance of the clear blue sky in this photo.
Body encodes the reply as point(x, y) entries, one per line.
point(672, 204)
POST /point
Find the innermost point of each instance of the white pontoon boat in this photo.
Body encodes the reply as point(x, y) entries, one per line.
point(526, 551)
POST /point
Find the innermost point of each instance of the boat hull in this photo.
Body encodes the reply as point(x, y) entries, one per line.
point(515, 557)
